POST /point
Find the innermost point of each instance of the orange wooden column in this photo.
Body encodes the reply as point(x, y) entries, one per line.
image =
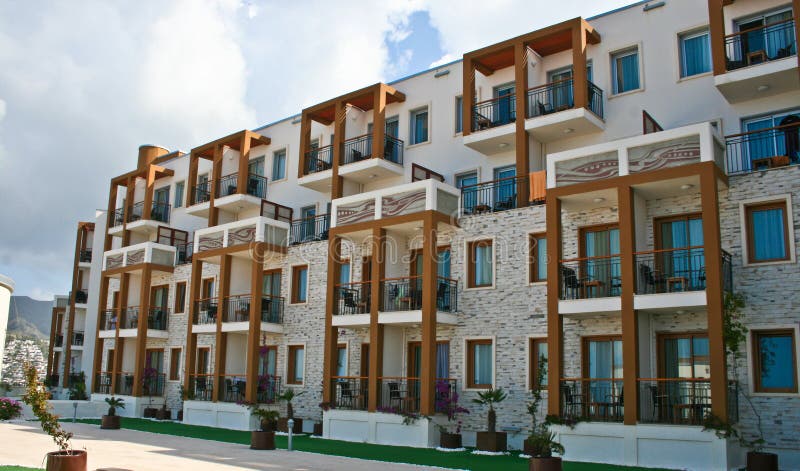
point(555, 334)
point(129, 195)
point(149, 189)
point(112, 207)
point(580, 79)
point(709, 199)
point(375, 328)
point(379, 121)
point(521, 135)
point(222, 310)
point(194, 161)
point(254, 334)
point(467, 96)
point(102, 305)
point(141, 333)
point(339, 129)
point(305, 142)
point(427, 378)
point(191, 338)
point(630, 325)
point(216, 174)
point(244, 164)
point(716, 28)
point(330, 355)
point(124, 282)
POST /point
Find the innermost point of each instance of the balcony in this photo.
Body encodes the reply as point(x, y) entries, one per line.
point(593, 283)
point(201, 192)
point(102, 382)
point(201, 387)
point(360, 165)
point(242, 234)
point(77, 338)
point(310, 229)
point(349, 392)
point(405, 294)
point(159, 215)
point(134, 256)
point(59, 341)
point(499, 195)
point(353, 299)
point(237, 314)
point(763, 149)
point(759, 62)
point(394, 201)
point(228, 198)
point(108, 323)
point(157, 323)
point(183, 253)
point(85, 256)
point(596, 400)
point(317, 167)
point(402, 394)
point(552, 114)
point(153, 383)
point(492, 125)
point(233, 388)
point(81, 296)
point(124, 386)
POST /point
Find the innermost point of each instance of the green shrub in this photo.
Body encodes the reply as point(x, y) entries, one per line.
point(9, 408)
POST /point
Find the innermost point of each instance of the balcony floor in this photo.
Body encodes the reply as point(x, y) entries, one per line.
point(369, 170)
point(564, 125)
point(740, 85)
point(318, 181)
point(493, 140)
point(236, 203)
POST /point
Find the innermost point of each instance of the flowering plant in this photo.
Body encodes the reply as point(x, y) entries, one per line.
point(9, 408)
point(447, 402)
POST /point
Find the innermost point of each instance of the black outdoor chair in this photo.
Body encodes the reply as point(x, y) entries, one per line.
point(507, 203)
point(650, 279)
point(572, 284)
point(443, 296)
point(345, 396)
point(573, 402)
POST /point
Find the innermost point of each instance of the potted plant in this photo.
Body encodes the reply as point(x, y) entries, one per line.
point(149, 378)
point(77, 389)
point(448, 403)
point(163, 413)
point(491, 439)
point(111, 421)
point(528, 446)
point(325, 406)
point(283, 423)
point(264, 437)
point(186, 395)
point(36, 396)
point(541, 445)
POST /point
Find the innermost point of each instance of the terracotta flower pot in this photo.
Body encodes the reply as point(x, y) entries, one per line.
point(545, 464)
point(318, 429)
point(66, 461)
point(163, 414)
point(761, 461)
point(150, 412)
point(491, 441)
point(450, 440)
point(110, 422)
point(283, 425)
point(260, 440)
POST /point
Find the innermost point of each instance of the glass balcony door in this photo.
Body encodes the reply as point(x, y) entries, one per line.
point(682, 260)
point(601, 266)
point(604, 368)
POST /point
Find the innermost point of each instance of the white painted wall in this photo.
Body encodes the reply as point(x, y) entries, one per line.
point(6, 288)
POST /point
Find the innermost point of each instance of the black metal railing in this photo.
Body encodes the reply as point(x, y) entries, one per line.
point(229, 185)
point(53, 380)
point(158, 318)
point(318, 160)
point(401, 294)
point(357, 149)
point(352, 298)
point(135, 212)
point(310, 229)
point(393, 149)
point(131, 320)
point(763, 149)
point(268, 389)
point(205, 311)
point(399, 395)
point(349, 392)
point(183, 253)
point(761, 44)
point(446, 294)
point(559, 96)
point(670, 270)
point(674, 400)
point(494, 112)
point(118, 217)
point(272, 309)
point(102, 382)
point(201, 387)
point(727, 272)
point(153, 384)
point(592, 399)
point(59, 340)
point(77, 338)
point(108, 320)
point(590, 277)
point(85, 256)
point(237, 309)
point(158, 212)
point(74, 379)
point(232, 388)
point(202, 192)
point(493, 196)
point(81, 296)
point(124, 385)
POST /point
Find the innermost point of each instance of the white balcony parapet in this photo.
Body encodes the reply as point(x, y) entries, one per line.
point(664, 149)
point(146, 252)
point(397, 200)
point(246, 231)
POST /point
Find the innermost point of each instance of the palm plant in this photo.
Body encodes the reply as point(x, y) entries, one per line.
point(268, 419)
point(490, 397)
point(113, 404)
point(288, 396)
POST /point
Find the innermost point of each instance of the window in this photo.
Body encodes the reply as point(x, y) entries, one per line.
point(179, 194)
point(625, 70)
point(279, 165)
point(683, 356)
point(480, 265)
point(760, 147)
point(344, 272)
point(341, 360)
point(537, 348)
point(299, 284)
point(419, 126)
point(174, 364)
point(767, 232)
point(469, 196)
point(207, 289)
point(537, 254)
point(774, 361)
point(680, 241)
point(480, 364)
point(180, 297)
point(459, 114)
point(695, 50)
point(767, 36)
point(296, 363)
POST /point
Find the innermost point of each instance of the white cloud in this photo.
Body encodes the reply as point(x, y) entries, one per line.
point(445, 59)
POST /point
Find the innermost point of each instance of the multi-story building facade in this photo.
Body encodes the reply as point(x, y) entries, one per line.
point(589, 192)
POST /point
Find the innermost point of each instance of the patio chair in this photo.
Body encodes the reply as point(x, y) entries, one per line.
point(443, 296)
point(650, 279)
point(572, 284)
point(573, 402)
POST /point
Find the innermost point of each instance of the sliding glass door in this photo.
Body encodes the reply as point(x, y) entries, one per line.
point(681, 259)
point(601, 267)
point(603, 363)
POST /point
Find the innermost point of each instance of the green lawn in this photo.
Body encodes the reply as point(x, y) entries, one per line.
point(420, 456)
point(17, 468)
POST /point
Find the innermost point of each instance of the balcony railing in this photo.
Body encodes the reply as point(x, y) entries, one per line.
point(318, 160)
point(108, 319)
point(158, 212)
point(559, 96)
point(310, 229)
point(77, 338)
point(760, 44)
point(85, 256)
point(158, 318)
point(201, 387)
point(353, 298)
point(670, 270)
point(202, 192)
point(493, 196)
point(124, 386)
point(349, 392)
point(272, 309)
point(590, 277)
point(131, 318)
point(232, 388)
point(229, 185)
point(118, 217)
point(592, 399)
point(102, 382)
point(393, 149)
point(238, 309)
point(81, 296)
point(59, 340)
point(183, 253)
point(268, 389)
point(205, 311)
point(402, 394)
point(494, 112)
point(359, 148)
point(153, 384)
point(405, 294)
point(763, 149)
point(684, 401)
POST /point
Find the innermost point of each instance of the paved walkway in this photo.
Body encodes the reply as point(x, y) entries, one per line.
point(25, 445)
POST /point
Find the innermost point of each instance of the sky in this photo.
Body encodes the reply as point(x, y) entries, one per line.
point(84, 83)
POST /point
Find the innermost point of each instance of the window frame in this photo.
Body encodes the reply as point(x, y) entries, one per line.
point(692, 34)
point(749, 231)
point(533, 263)
point(458, 118)
point(180, 295)
point(295, 293)
point(754, 351)
point(175, 367)
point(291, 357)
point(274, 161)
point(412, 121)
point(533, 364)
point(470, 265)
point(346, 347)
point(624, 52)
point(469, 360)
point(179, 195)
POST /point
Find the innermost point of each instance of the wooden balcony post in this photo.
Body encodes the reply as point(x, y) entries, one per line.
point(130, 192)
point(379, 121)
point(630, 324)
point(555, 336)
point(331, 332)
point(339, 129)
point(141, 334)
point(467, 96)
point(216, 175)
point(50, 366)
point(222, 314)
point(521, 136)
point(194, 160)
point(305, 142)
point(716, 29)
point(375, 328)
point(254, 334)
point(190, 354)
point(112, 209)
point(149, 189)
point(427, 378)
point(244, 164)
point(102, 305)
point(580, 80)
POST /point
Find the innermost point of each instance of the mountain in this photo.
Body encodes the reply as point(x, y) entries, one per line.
point(29, 318)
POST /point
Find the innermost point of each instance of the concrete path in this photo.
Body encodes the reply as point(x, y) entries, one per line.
point(25, 445)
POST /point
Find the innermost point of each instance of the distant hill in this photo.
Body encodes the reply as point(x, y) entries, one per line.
point(29, 318)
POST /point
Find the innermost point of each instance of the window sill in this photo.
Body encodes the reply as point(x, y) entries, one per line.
point(766, 264)
point(478, 389)
point(695, 76)
point(537, 283)
point(629, 92)
point(418, 144)
point(775, 394)
point(479, 288)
